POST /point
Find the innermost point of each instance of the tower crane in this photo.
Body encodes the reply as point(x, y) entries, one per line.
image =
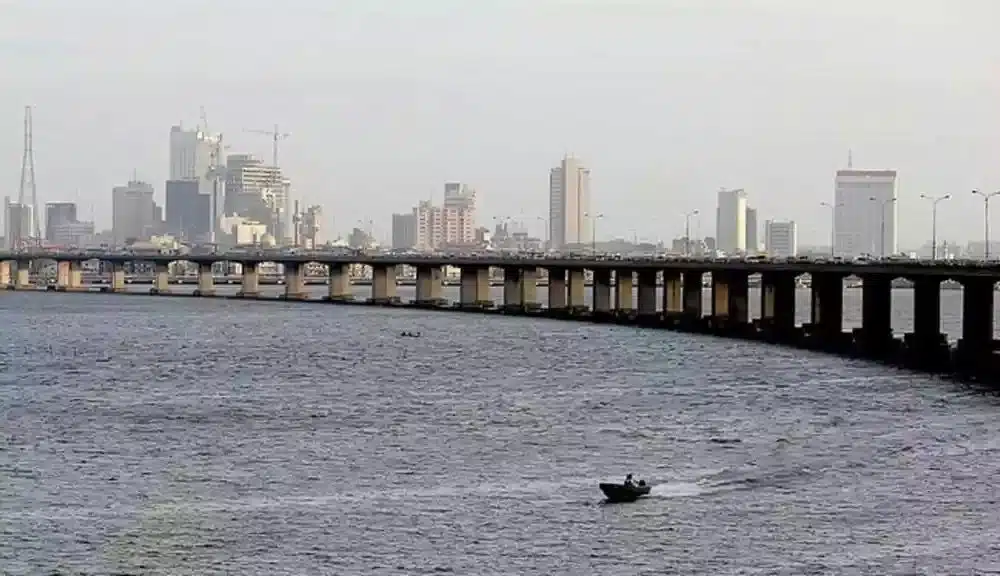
point(215, 173)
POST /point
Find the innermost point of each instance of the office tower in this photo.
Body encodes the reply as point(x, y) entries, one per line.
point(459, 214)
point(781, 239)
point(195, 156)
point(188, 211)
point(731, 221)
point(133, 212)
point(752, 243)
point(429, 226)
point(569, 204)
point(57, 214)
point(19, 221)
point(404, 231)
point(865, 212)
point(258, 192)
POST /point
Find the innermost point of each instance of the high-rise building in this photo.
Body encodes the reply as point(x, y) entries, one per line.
point(864, 219)
point(67, 234)
point(57, 214)
point(752, 243)
point(133, 212)
point(188, 211)
point(404, 231)
point(428, 220)
point(459, 214)
point(19, 222)
point(781, 239)
point(258, 192)
point(569, 204)
point(731, 221)
point(191, 154)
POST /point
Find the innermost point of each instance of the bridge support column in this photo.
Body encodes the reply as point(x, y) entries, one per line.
point(294, 280)
point(730, 299)
point(926, 346)
point(206, 280)
point(513, 290)
point(5, 274)
point(75, 276)
point(693, 295)
point(250, 281)
point(673, 293)
point(161, 279)
point(117, 277)
point(62, 275)
point(557, 288)
point(647, 293)
point(529, 288)
point(475, 289)
point(777, 306)
point(430, 279)
point(602, 291)
point(826, 326)
point(975, 349)
point(22, 275)
point(577, 286)
point(384, 284)
point(623, 291)
point(874, 339)
point(339, 283)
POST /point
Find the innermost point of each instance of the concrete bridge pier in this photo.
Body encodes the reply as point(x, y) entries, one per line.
point(777, 306)
point(926, 346)
point(826, 326)
point(602, 291)
point(475, 288)
point(429, 283)
point(295, 286)
point(384, 284)
point(874, 338)
point(577, 290)
point(22, 275)
point(250, 282)
point(692, 289)
point(647, 293)
point(62, 276)
point(117, 277)
point(5, 274)
point(512, 280)
point(161, 279)
point(730, 300)
point(673, 294)
point(529, 288)
point(339, 283)
point(623, 291)
point(206, 280)
point(975, 349)
point(557, 289)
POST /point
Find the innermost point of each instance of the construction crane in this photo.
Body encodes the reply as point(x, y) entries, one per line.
point(276, 136)
point(216, 171)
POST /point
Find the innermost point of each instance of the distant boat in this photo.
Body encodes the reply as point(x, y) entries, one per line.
point(623, 493)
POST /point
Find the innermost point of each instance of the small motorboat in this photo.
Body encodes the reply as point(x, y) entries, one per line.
point(625, 493)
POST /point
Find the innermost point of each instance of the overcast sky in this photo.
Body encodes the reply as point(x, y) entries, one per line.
point(666, 101)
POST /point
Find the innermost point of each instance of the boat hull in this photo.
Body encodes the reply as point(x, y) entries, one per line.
point(622, 493)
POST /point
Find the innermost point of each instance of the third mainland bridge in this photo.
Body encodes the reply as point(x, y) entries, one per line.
point(615, 283)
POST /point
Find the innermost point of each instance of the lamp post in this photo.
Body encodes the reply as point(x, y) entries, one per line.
point(934, 200)
point(833, 229)
point(593, 230)
point(882, 204)
point(545, 223)
point(687, 231)
point(986, 220)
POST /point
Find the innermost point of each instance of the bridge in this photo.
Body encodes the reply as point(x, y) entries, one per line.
point(615, 283)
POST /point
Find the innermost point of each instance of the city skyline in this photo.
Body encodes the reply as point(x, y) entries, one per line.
point(657, 148)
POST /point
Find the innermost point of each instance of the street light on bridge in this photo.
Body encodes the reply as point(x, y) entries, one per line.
point(593, 230)
point(986, 220)
point(934, 200)
point(833, 228)
point(687, 231)
point(882, 205)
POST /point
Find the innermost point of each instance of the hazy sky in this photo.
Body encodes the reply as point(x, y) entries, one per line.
point(666, 100)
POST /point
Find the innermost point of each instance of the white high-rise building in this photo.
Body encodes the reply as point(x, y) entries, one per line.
point(731, 221)
point(569, 204)
point(781, 239)
point(752, 243)
point(864, 219)
point(191, 153)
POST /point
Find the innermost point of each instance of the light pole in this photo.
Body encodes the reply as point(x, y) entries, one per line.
point(833, 228)
point(882, 204)
point(986, 220)
point(593, 230)
point(545, 223)
point(687, 231)
point(935, 200)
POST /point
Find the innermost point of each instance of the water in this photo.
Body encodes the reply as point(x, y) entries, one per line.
point(190, 436)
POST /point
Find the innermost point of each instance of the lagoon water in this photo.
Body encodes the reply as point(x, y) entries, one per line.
point(195, 436)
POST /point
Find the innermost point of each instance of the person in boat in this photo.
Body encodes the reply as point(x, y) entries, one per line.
point(628, 481)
